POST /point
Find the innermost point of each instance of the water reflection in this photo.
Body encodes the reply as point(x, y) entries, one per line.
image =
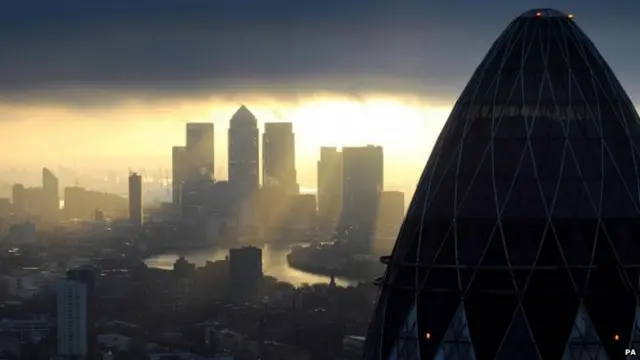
point(274, 263)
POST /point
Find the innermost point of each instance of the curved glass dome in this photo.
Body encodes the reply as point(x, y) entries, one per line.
point(543, 13)
point(521, 239)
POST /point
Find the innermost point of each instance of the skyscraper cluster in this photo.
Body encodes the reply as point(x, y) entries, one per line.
point(198, 195)
point(350, 181)
point(351, 192)
point(195, 162)
point(43, 202)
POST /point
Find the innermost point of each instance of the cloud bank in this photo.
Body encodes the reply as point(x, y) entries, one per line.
point(91, 51)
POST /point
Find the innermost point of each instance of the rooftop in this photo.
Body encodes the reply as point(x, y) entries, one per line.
point(543, 13)
point(243, 114)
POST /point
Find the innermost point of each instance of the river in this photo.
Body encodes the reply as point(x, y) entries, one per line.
point(274, 263)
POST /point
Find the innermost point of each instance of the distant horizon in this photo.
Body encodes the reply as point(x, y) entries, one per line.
point(379, 73)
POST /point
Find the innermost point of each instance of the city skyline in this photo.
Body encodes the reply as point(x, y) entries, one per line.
point(230, 179)
point(403, 169)
point(402, 98)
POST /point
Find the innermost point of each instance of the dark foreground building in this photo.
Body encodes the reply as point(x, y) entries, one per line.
point(522, 239)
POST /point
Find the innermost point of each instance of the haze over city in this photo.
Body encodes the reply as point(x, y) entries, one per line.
point(111, 84)
point(319, 180)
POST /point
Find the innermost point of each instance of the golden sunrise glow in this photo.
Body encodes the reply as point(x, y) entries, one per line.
point(345, 123)
point(137, 133)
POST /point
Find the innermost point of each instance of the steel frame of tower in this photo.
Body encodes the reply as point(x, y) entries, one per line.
point(478, 272)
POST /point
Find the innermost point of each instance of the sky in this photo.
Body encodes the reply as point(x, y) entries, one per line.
point(111, 83)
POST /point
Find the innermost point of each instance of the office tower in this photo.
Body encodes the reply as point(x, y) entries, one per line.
point(76, 314)
point(362, 185)
point(135, 199)
point(279, 157)
point(520, 241)
point(33, 200)
point(200, 151)
point(179, 172)
point(244, 153)
point(72, 319)
point(5, 207)
point(50, 195)
point(330, 184)
point(18, 199)
point(391, 212)
point(245, 273)
point(301, 211)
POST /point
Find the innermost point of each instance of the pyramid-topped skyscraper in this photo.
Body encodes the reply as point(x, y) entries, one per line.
point(523, 237)
point(244, 161)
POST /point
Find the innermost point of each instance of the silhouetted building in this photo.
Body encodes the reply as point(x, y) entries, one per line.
point(208, 196)
point(245, 273)
point(272, 207)
point(391, 212)
point(521, 239)
point(76, 315)
point(33, 200)
point(135, 199)
point(98, 215)
point(85, 275)
point(279, 157)
point(80, 203)
point(301, 212)
point(182, 267)
point(50, 195)
point(5, 207)
point(244, 157)
point(207, 208)
point(330, 184)
point(193, 201)
point(72, 319)
point(179, 172)
point(22, 234)
point(18, 199)
point(362, 185)
point(200, 151)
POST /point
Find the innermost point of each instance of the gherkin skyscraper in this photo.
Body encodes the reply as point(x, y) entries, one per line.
point(523, 237)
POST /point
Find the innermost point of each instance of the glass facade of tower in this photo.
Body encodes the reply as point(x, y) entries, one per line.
point(521, 241)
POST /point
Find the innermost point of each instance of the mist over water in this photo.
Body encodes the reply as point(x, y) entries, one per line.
point(274, 263)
